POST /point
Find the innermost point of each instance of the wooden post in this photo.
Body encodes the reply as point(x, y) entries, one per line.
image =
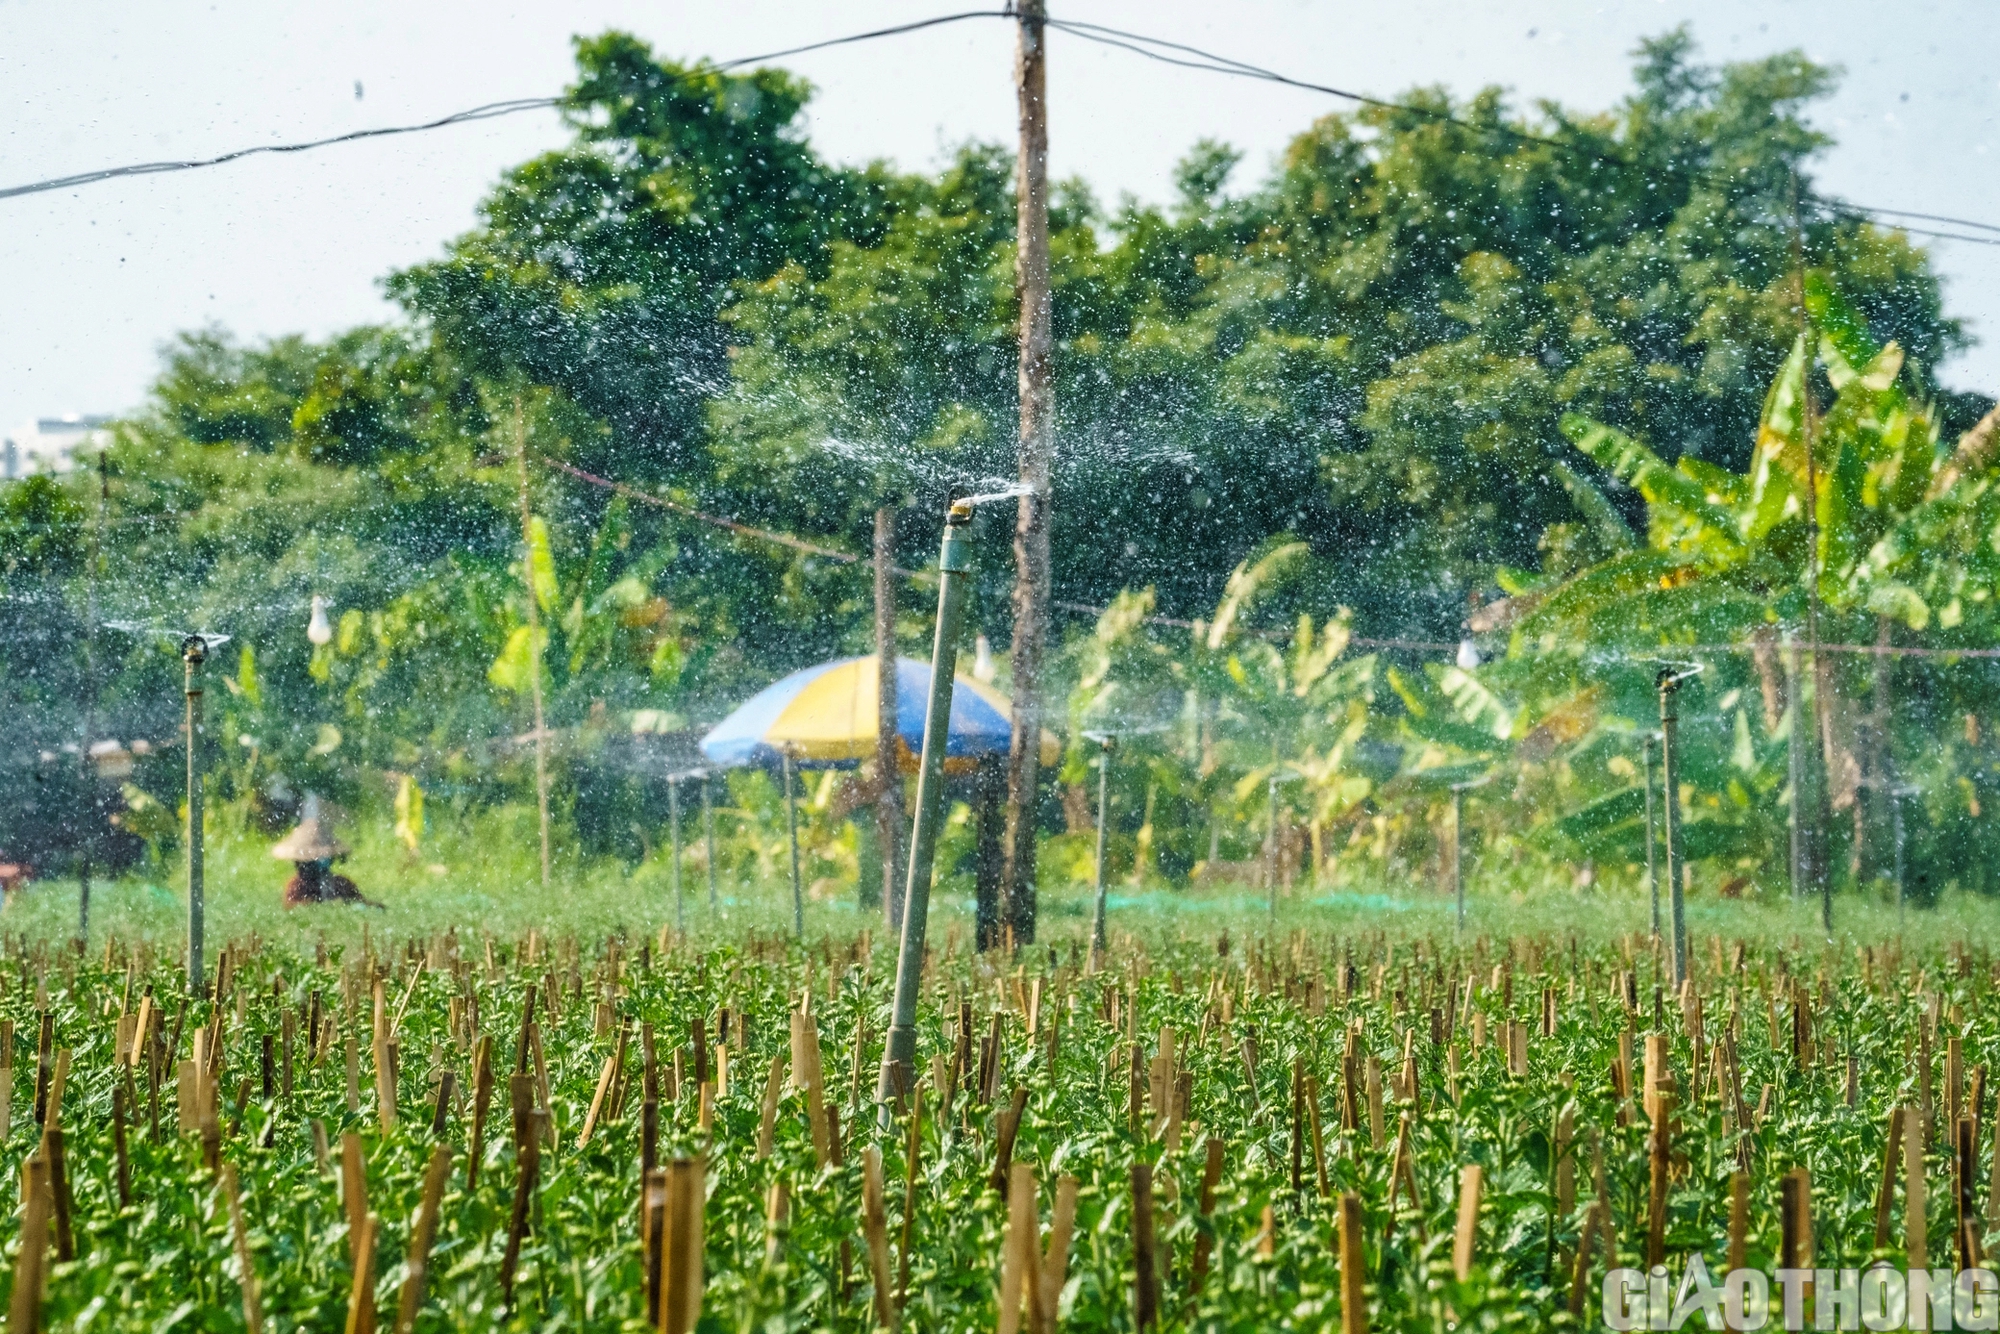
point(31, 1264)
point(875, 1224)
point(1037, 453)
point(1204, 1242)
point(421, 1238)
point(1353, 1268)
point(353, 1193)
point(253, 1309)
point(1019, 1268)
point(681, 1281)
point(361, 1293)
point(1739, 1219)
point(1470, 1180)
point(1915, 1216)
point(1660, 1160)
point(1145, 1269)
point(482, 1098)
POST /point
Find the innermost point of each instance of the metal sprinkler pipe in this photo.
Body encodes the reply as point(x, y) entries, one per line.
point(1103, 825)
point(1669, 683)
point(708, 833)
point(899, 1053)
point(1457, 854)
point(674, 839)
point(792, 825)
point(1652, 868)
point(1458, 791)
point(194, 652)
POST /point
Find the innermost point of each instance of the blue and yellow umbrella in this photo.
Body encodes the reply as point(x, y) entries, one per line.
point(825, 717)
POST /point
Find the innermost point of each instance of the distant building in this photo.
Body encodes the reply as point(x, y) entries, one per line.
point(49, 444)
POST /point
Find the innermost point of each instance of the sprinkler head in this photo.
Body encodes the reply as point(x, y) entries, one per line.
point(194, 650)
point(319, 631)
point(959, 514)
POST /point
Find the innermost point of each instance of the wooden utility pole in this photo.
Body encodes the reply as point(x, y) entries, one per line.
point(534, 632)
point(888, 772)
point(1037, 450)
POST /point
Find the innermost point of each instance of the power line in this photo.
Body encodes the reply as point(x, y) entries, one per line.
point(1197, 58)
point(489, 111)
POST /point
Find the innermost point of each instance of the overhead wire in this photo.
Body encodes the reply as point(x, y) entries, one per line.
point(1158, 49)
point(490, 110)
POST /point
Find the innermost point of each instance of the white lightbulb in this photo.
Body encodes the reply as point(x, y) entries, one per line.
point(982, 659)
point(319, 630)
point(1468, 654)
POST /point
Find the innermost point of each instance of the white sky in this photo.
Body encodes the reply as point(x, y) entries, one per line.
point(97, 278)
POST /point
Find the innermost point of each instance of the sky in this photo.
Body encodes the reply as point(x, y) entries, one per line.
point(96, 279)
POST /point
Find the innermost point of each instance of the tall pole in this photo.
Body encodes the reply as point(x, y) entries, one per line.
point(1103, 829)
point(534, 632)
point(1037, 450)
point(1271, 846)
point(888, 776)
point(674, 838)
point(1822, 683)
point(86, 843)
point(1670, 807)
point(899, 1053)
point(1652, 869)
point(194, 651)
point(1795, 762)
point(792, 829)
point(1896, 793)
point(1458, 853)
point(708, 835)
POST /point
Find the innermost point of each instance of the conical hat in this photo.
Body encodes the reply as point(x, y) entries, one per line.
point(310, 842)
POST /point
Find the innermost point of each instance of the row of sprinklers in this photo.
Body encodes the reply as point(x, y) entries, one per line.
point(1665, 859)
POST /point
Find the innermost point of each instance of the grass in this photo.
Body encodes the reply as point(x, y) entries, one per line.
point(482, 873)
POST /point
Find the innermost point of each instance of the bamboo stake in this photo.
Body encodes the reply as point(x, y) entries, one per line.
point(530, 1160)
point(353, 1194)
point(1885, 1193)
point(681, 1281)
point(421, 1239)
point(1055, 1260)
point(361, 1294)
point(482, 1098)
point(124, 1161)
point(30, 1265)
point(1145, 1273)
point(1204, 1242)
point(767, 1121)
point(1019, 1253)
point(1003, 1154)
point(1739, 1219)
point(1353, 1269)
point(1470, 1179)
point(253, 1308)
point(52, 1156)
point(1915, 1220)
point(875, 1223)
point(1660, 1162)
point(912, 1155)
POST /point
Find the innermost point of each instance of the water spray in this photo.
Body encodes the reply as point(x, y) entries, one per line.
point(899, 1053)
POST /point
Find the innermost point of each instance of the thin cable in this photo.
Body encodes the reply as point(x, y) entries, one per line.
point(487, 112)
point(510, 107)
point(1211, 62)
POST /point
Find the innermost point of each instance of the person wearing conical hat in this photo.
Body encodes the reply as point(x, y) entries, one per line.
point(312, 848)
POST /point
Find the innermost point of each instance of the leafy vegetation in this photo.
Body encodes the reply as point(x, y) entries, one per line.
point(1376, 1066)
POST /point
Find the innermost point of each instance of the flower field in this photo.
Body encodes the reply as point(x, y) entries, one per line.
point(469, 1132)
